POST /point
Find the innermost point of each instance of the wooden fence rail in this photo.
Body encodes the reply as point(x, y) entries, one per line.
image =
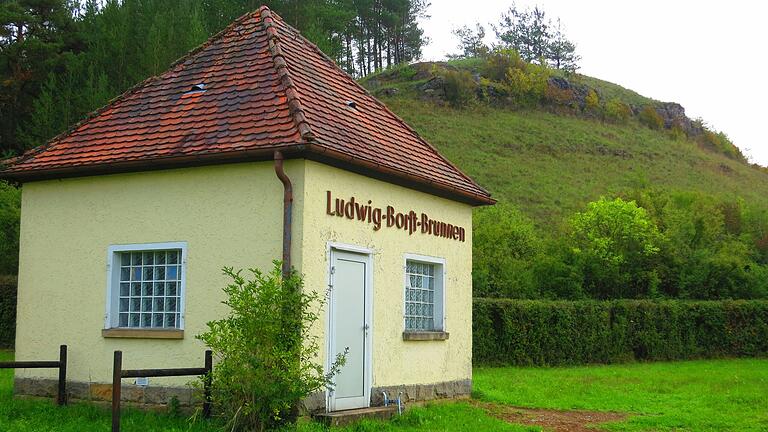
point(61, 365)
point(118, 373)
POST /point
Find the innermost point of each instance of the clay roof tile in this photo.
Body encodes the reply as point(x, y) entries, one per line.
point(264, 88)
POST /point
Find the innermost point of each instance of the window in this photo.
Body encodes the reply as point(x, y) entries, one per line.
point(424, 294)
point(146, 286)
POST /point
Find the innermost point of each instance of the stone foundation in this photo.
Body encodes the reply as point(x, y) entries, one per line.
point(423, 392)
point(133, 395)
point(158, 397)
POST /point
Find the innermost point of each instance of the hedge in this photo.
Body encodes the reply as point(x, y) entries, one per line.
point(548, 333)
point(7, 311)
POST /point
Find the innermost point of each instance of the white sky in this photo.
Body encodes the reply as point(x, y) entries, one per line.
point(711, 57)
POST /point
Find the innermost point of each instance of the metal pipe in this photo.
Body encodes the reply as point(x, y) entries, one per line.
point(287, 211)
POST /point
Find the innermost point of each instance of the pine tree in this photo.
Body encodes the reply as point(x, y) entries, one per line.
point(470, 42)
point(561, 52)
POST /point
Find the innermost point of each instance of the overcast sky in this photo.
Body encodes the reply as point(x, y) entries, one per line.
point(711, 57)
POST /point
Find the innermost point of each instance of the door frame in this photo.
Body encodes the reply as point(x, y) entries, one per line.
point(367, 256)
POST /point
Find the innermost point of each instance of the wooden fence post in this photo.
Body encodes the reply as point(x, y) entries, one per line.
point(117, 370)
point(207, 383)
point(61, 399)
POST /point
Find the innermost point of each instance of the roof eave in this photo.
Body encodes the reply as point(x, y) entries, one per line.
point(291, 151)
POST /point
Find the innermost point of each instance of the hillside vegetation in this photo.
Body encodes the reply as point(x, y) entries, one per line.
point(603, 193)
point(550, 164)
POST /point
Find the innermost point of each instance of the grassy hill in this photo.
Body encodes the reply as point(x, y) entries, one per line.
point(550, 165)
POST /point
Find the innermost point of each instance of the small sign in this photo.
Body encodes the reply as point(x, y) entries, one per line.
point(389, 217)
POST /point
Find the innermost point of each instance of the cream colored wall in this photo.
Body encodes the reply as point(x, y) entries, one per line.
point(229, 215)
point(395, 361)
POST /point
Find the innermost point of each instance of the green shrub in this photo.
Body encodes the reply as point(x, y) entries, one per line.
point(617, 111)
point(651, 118)
point(499, 62)
point(266, 352)
point(557, 96)
point(7, 311)
point(10, 203)
point(591, 102)
point(504, 245)
point(528, 332)
point(460, 88)
point(719, 142)
point(527, 84)
point(616, 244)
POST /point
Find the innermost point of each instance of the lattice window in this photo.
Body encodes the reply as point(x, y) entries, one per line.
point(150, 288)
point(420, 295)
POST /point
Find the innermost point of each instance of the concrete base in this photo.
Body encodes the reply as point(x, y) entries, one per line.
point(346, 417)
point(132, 395)
point(159, 397)
point(423, 392)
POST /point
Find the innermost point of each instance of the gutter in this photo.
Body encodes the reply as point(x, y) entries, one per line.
point(308, 150)
point(287, 211)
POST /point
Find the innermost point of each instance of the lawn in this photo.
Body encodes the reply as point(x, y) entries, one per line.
point(41, 415)
point(712, 395)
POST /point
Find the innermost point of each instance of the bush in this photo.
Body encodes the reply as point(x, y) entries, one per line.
point(545, 333)
point(499, 62)
point(557, 96)
point(651, 118)
point(265, 350)
point(617, 111)
point(460, 88)
point(504, 244)
point(10, 203)
point(616, 243)
point(719, 142)
point(528, 84)
point(7, 311)
point(591, 102)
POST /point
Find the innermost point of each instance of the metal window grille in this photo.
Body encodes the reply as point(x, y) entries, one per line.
point(420, 296)
point(150, 289)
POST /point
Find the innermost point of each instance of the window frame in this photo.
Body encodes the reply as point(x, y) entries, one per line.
point(112, 316)
point(440, 294)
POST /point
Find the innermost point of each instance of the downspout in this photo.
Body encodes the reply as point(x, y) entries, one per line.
point(287, 211)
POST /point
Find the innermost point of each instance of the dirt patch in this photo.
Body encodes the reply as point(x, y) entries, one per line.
point(551, 420)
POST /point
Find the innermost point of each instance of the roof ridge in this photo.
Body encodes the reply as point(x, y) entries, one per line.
point(143, 83)
point(390, 112)
point(291, 93)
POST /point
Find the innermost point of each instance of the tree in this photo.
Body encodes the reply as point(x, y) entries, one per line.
point(470, 42)
point(10, 198)
point(617, 243)
point(531, 33)
point(504, 246)
point(561, 52)
point(526, 31)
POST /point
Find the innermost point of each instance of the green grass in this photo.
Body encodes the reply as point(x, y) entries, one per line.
point(21, 415)
point(550, 165)
point(609, 90)
point(712, 395)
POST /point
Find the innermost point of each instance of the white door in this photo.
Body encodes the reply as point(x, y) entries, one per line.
point(349, 328)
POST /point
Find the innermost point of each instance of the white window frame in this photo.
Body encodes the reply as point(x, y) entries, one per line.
point(440, 294)
point(111, 318)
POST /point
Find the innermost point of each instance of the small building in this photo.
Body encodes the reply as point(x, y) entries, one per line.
point(253, 147)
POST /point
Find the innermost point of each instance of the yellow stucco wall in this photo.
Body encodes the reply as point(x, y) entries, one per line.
point(394, 361)
point(230, 215)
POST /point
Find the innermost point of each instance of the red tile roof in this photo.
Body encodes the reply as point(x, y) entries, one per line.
point(266, 88)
